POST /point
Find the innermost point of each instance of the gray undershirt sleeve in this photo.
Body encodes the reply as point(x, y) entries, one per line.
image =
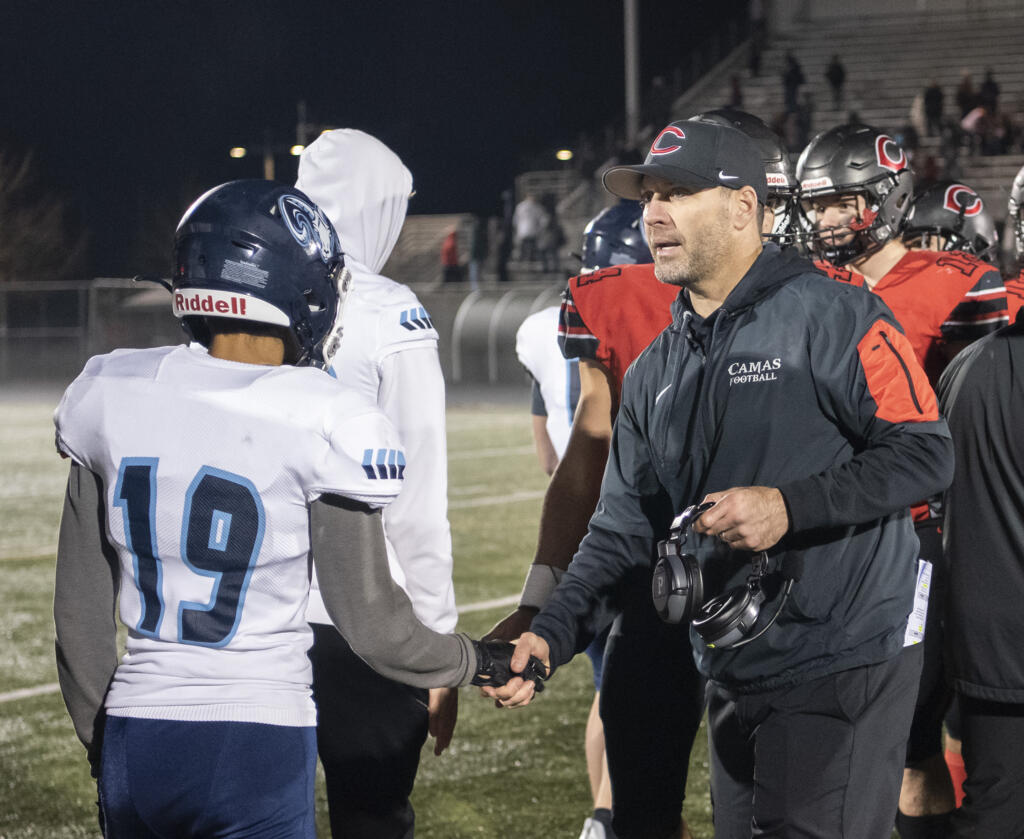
point(84, 600)
point(369, 608)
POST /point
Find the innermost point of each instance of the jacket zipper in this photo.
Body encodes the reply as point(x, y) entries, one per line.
point(906, 370)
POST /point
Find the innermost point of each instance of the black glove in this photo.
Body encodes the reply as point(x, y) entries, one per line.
point(493, 665)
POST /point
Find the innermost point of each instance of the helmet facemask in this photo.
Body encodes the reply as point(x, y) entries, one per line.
point(785, 230)
point(886, 202)
point(324, 352)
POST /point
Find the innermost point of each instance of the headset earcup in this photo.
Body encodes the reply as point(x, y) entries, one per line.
point(677, 588)
point(728, 618)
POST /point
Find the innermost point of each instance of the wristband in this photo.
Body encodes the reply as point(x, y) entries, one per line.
point(540, 582)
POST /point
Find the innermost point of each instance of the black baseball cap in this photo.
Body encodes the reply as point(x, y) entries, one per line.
point(700, 155)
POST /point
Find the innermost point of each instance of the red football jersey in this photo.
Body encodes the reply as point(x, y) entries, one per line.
point(938, 298)
point(610, 316)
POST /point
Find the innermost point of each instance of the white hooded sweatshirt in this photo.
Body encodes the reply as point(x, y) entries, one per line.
point(389, 352)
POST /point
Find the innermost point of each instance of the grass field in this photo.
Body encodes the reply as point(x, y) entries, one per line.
point(506, 771)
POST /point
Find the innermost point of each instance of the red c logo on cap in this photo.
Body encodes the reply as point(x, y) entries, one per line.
point(885, 159)
point(675, 132)
point(961, 198)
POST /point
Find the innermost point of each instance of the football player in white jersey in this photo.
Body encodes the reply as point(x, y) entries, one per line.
point(370, 729)
point(556, 384)
point(203, 477)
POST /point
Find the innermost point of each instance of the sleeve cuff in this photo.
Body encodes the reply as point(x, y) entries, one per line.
point(805, 504)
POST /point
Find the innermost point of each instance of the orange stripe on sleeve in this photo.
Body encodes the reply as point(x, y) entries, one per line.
point(895, 379)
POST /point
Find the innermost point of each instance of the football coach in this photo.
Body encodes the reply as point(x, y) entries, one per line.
point(794, 406)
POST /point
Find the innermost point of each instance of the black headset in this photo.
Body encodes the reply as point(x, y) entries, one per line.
point(725, 621)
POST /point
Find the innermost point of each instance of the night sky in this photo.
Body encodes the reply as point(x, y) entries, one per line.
point(131, 107)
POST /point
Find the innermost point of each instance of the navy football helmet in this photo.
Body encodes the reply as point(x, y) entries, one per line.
point(782, 187)
point(950, 216)
point(615, 236)
point(261, 251)
point(854, 160)
point(1015, 214)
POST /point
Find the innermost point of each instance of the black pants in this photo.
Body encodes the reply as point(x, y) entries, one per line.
point(994, 790)
point(934, 694)
point(651, 705)
point(820, 759)
point(369, 734)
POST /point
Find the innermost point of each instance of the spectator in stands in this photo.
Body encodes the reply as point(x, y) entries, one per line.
point(988, 93)
point(450, 267)
point(735, 92)
point(506, 236)
point(551, 237)
point(909, 138)
point(659, 103)
point(758, 36)
point(971, 125)
point(933, 108)
point(966, 96)
point(917, 118)
point(928, 174)
point(792, 79)
point(528, 219)
point(835, 73)
point(478, 246)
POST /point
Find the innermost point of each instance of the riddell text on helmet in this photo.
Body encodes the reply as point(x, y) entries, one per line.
point(234, 305)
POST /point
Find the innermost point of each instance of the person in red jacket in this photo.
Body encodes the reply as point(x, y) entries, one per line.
point(450, 267)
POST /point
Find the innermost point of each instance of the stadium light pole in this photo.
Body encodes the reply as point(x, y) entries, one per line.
point(631, 37)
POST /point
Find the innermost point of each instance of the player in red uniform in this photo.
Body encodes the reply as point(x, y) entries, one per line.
point(608, 318)
point(950, 216)
point(855, 195)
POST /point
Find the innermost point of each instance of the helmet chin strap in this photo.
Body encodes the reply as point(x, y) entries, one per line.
point(865, 220)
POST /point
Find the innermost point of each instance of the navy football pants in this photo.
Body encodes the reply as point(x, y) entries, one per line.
point(234, 780)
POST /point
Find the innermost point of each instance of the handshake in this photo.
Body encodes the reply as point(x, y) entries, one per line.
point(494, 666)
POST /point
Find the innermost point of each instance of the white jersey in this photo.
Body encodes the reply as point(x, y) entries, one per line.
point(208, 468)
point(558, 377)
point(388, 352)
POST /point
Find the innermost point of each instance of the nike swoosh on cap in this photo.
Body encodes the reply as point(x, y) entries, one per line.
point(724, 177)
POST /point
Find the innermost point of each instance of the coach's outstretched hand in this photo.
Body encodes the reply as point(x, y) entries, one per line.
point(531, 655)
point(499, 662)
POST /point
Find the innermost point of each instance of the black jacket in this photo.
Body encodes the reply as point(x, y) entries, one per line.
point(795, 382)
point(982, 393)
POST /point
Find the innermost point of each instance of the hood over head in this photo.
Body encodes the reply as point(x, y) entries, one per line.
point(363, 187)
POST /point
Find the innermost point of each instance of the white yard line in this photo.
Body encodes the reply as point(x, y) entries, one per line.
point(490, 500)
point(484, 605)
point(25, 693)
point(471, 454)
